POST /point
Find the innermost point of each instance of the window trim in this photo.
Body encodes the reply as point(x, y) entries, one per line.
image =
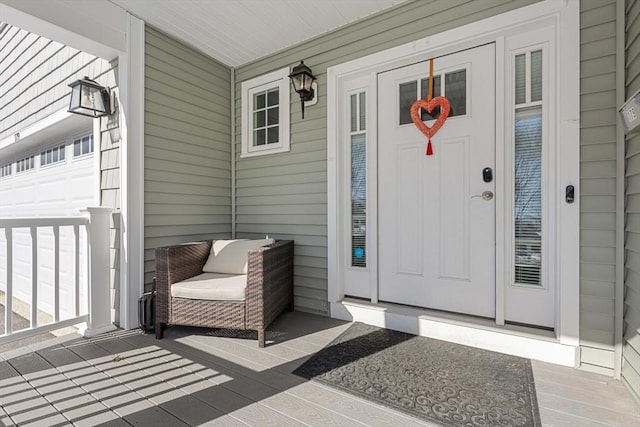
point(277, 79)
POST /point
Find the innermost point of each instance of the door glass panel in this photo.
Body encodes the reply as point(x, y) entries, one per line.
point(358, 181)
point(424, 92)
point(408, 94)
point(528, 195)
point(455, 89)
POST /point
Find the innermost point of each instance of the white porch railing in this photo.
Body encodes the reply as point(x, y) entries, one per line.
point(92, 308)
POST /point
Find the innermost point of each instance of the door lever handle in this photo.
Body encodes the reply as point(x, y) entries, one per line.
point(486, 195)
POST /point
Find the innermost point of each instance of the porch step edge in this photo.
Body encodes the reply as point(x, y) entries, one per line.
point(538, 345)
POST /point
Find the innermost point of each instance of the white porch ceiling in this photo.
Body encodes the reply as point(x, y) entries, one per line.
point(236, 32)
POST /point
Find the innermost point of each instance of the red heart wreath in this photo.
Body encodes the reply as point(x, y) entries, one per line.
point(423, 104)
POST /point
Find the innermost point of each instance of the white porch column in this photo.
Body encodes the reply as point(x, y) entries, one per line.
point(99, 286)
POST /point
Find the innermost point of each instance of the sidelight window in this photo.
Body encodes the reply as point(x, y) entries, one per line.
point(358, 137)
point(528, 170)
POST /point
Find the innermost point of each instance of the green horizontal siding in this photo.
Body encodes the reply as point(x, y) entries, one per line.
point(631, 342)
point(187, 155)
point(285, 195)
point(598, 182)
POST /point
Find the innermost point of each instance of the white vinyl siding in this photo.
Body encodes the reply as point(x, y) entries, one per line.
point(187, 153)
point(285, 195)
point(631, 341)
point(597, 181)
point(34, 77)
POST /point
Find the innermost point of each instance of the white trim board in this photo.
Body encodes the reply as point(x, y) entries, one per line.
point(131, 69)
point(479, 333)
point(564, 17)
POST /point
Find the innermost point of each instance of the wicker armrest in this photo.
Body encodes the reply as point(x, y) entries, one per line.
point(174, 264)
point(269, 282)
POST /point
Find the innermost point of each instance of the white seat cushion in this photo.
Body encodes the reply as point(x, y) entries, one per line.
point(212, 286)
point(231, 256)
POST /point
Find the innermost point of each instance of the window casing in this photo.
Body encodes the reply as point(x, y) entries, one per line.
point(25, 164)
point(53, 155)
point(265, 114)
point(83, 146)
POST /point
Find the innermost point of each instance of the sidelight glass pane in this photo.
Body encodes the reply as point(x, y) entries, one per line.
point(363, 112)
point(358, 201)
point(528, 196)
point(358, 181)
point(520, 65)
point(536, 75)
point(354, 113)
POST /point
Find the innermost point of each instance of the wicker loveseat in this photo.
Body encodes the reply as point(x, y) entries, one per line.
point(269, 289)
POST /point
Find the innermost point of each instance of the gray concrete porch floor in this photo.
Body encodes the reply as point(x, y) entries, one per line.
point(203, 377)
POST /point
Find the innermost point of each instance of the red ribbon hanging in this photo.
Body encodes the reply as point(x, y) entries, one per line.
point(429, 105)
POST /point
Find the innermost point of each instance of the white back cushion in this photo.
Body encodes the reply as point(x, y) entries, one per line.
point(231, 256)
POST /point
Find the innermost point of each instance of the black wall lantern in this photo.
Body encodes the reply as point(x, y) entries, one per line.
point(302, 78)
point(88, 98)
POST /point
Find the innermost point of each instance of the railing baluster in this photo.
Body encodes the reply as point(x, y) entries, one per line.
point(76, 232)
point(34, 277)
point(8, 296)
point(56, 273)
point(96, 255)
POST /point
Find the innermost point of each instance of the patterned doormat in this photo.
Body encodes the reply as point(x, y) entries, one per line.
point(448, 383)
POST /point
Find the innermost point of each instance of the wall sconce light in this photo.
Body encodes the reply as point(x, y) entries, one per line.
point(88, 98)
point(303, 82)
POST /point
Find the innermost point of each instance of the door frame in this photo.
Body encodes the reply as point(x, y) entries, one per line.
point(564, 17)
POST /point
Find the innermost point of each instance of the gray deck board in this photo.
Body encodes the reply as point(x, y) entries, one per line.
point(219, 378)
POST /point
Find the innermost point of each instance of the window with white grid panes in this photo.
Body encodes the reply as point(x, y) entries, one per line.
point(25, 164)
point(83, 146)
point(528, 168)
point(5, 170)
point(265, 114)
point(53, 155)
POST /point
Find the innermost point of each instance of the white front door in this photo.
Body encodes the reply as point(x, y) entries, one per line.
point(437, 213)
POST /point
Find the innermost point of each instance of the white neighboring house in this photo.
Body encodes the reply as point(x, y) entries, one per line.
point(44, 179)
point(47, 163)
